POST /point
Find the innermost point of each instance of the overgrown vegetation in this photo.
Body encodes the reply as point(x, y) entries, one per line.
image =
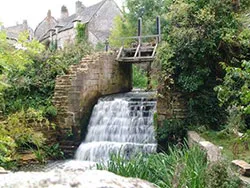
point(234, 148)
point(27, 81)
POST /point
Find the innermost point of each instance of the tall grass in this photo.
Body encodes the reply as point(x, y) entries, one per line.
point(179, 168)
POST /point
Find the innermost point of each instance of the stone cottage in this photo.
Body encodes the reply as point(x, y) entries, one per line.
point(98, 18)
point(13, 32)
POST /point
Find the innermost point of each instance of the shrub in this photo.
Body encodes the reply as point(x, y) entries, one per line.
point(21, 128)
point(172, 132)
point(218, 176)
point(199, 35)
point(50, 112)
point(7, 149)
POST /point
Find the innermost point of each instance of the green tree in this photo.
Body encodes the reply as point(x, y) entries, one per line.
point(126, 25)
point(198, 36)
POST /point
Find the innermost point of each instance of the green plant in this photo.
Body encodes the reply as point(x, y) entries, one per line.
point(198, 36)
point(178, 168)
point(81, 33)
point(7, 150)
point(53, 152)
point(50, 112)
point(218, 176)
point(234, 93)
point(40, 155)
point(34, 86)
point(140, 79)
point(21, 128)
point(172, 132)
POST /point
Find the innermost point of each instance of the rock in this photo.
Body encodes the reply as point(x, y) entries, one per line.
point(75, 178)
point(213, 152)
point(243, 167)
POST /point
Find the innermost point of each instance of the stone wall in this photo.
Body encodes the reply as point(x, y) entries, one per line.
point(77, 92)
point(170, 105)
point(66, 37)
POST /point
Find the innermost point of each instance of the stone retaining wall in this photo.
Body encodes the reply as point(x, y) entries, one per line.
point(170, 105)
point(77, 92)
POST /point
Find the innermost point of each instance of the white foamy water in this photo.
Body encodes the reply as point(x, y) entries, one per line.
point(119, 124)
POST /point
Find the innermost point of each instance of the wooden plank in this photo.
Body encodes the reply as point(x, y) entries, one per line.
point(137, 50)
point(119, 54)
point(154, 50)
point(136, 60)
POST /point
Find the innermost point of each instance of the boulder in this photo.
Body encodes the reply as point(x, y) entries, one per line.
point(213, 152)
point(71, 178)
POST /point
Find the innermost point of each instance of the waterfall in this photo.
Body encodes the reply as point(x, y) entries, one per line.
point(121, 123)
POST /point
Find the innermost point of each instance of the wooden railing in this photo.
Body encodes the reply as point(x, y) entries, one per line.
point(142, 48)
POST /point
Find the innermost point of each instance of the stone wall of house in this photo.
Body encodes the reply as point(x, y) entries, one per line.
point(66, 37)
point(170, 105)
point(78, 91)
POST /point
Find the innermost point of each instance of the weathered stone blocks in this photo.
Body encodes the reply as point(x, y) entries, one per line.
point(77, 92)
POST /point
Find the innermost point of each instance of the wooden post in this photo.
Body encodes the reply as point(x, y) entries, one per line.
point(149, 86)
point(158, 29)
point(107, 45)
point(139, 34)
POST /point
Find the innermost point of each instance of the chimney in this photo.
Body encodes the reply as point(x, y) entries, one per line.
point(49, 14)
point(64, 12)
point(25, 24)
point(79, 7)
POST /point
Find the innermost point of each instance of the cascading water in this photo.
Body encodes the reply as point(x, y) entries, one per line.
point(121, 123)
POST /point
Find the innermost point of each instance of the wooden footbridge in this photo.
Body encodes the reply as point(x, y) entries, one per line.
point(143, 49)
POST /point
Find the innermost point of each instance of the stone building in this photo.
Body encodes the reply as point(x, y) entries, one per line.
point(44, 26)
point(13, 32)
point(98, 18)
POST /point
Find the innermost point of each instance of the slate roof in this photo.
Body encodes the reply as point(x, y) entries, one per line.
point(85, 16)
point(44, 26)
point(14, 31)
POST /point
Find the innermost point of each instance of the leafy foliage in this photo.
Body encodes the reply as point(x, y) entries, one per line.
point(21, 128)
point(139, 78)
point(171, 133)
point(234, 93)
point(218, 176)
point(126, 26)
point(34, 85)
point(27, 81)
point(81, 33)
point(199, 35)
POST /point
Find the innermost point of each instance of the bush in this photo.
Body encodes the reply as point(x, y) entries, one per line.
point(198, 36)
point(7, 149)
point(33, 87)
point(21, 128)
point(171, 133)
point(218, 176)
point(50, 112)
